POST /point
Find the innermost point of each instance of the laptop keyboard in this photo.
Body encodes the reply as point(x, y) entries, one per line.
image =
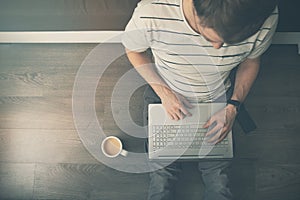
point(181, 136)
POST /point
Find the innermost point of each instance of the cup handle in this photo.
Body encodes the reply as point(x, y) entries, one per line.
point(124, 152)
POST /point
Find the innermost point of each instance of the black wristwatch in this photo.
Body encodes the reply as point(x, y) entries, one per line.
point(236, 103)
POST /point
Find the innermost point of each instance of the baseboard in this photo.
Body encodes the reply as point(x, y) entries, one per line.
point(104, 37)
point(287, 38)
point(61, 37)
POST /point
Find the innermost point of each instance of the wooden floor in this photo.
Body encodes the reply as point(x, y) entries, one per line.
point(42, 157)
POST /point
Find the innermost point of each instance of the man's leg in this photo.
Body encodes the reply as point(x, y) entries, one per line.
point(215, 180)
point(163, 180)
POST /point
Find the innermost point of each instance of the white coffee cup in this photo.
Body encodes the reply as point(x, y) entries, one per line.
point(112, 147)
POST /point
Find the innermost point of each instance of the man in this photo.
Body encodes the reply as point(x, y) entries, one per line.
point(233, 33)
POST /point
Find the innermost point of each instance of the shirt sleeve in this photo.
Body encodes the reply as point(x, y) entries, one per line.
point(265, 35)
point(135, 37)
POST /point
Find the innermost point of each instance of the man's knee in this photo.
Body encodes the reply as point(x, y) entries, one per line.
point(166, 177)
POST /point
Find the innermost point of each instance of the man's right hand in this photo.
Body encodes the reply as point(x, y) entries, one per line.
point(175, 104)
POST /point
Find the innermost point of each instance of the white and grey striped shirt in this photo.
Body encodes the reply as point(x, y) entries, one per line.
point(184, 59)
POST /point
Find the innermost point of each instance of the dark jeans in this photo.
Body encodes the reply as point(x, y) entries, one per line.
point(162, 181)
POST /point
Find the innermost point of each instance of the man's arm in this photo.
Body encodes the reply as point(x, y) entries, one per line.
point(245, 77)
point(175, 104)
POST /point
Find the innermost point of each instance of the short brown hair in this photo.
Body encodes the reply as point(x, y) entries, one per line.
point(234, 20)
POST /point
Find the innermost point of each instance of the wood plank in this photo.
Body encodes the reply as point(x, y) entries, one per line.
point(43, 146)
point(279, 73)
point(277, 146)
point(42, 56)
point(16, 180)
point(87, 181)
point(242, 178)
point(40, 112)
point(31, 83)
point(276, 181)
point(271, 113)
point(272, 81)
point(134, 105)
point(49, 70)
point(36, 113)
point(59, 181)
point(135, 109)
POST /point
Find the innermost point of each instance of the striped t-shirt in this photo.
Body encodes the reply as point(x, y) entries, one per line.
point(184, 59)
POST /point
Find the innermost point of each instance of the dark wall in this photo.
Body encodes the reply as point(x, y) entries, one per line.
point(289, 20)
point(65, 15)
point(80, 15)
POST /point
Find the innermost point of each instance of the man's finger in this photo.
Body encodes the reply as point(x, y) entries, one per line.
point(223, 136)
point(180, 115)
point(175, 114)
point(214, 139)
point(208, 123)
point(185, 111)
point(213, 131)
point(175, 117)
point(170, 116)
point(187, 103)
point(223, 133)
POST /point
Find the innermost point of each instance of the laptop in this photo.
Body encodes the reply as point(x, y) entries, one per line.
point(185, 139)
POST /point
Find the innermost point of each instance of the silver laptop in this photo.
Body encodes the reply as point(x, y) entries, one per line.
point(185, 139)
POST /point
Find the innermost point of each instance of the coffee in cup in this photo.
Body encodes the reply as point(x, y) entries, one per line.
point(112, 147)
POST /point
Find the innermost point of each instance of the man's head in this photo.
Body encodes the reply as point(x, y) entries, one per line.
point(233, 20)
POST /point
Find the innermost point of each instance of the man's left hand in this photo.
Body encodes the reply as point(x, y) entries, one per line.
point(221, 123)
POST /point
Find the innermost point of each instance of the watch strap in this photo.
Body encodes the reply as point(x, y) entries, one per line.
point(236, 103)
